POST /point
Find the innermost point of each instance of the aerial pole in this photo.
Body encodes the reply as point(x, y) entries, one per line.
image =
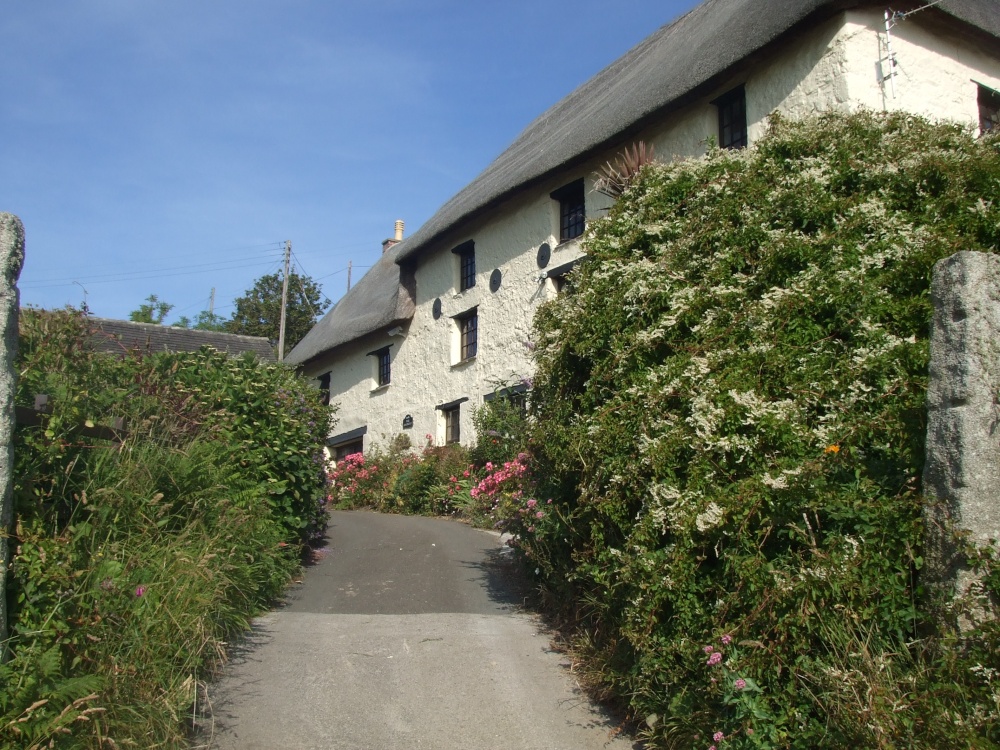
point(284, 302)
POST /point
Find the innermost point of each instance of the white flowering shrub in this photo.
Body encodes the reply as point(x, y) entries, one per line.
point(730, 411)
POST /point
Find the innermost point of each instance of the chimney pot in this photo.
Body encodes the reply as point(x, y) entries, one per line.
point(399, 230)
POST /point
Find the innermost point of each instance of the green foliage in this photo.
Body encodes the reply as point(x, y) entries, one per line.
point(153, 310)
point(258, 312)
point(135, 562)
point(730, 421)
point(434, 481)
point(502, 427)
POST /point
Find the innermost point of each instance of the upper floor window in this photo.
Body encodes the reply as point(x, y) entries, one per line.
point(572, 210)
point(732, 108)
point(324, 388)
point(382, 374)
point(468, 331)
point(989, 109)
point(466, 254)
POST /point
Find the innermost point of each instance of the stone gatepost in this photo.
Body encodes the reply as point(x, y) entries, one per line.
point(11, 260)
point(962, 473)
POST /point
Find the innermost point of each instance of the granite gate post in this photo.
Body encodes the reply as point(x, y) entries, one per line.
point(11, 260)
point(962, 470)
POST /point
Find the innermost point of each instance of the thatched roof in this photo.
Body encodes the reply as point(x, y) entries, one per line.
point(377, 301)
point(665, 71)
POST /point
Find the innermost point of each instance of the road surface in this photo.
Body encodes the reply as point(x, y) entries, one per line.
point(407, 634)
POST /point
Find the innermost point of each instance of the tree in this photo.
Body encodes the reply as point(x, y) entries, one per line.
point(258, 312)
point(153, 311)
point(207, 321)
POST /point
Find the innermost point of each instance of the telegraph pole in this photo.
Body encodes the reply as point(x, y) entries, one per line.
point(284, 302)
point(211, 306)
point(348, 275)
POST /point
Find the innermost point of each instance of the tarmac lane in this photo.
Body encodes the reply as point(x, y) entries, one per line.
point(407, 634)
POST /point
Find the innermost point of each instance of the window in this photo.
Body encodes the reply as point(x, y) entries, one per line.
point(382, 368)
point(732, 108)
point(451, 420)
point(466, 253)
point(515, 397)
point(989, 109)
point(572, 210)
point(324, 388)
point(453, 425)
point(348, 449)
point(468, 333)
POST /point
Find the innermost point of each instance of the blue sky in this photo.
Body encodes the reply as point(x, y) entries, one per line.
point(155, 147)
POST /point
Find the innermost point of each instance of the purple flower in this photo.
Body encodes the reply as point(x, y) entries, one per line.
point(140, 590)
point(708, 649)
point(740, 684)
point(714, 659)
point(726, 640)
point(718, 736)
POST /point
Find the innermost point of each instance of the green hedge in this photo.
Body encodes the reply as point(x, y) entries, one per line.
point(730, 413)
point(136, 561)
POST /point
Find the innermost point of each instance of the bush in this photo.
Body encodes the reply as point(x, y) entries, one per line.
point(732, 406)
point(135, 562)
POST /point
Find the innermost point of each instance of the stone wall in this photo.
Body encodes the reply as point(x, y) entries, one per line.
point(962, 473)
point(11, 260)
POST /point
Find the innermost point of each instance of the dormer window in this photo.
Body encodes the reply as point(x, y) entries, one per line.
point(466, 255)
point(732, 109)
point(572, 210)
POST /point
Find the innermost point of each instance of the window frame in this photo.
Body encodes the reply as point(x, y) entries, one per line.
point(468, 335)
point(453, 425)
point(466, 253)
point(988, 100)
point(732, 118)
point(324, 388)
point(572, 201)
point(451, 420)
point(381, 367)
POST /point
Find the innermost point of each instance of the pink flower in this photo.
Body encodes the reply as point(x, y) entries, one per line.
point(726, 640)
point(140, 590)
point(749, 731)
point(532, 503)
point(711, 747)
point(714, 659)
point(708, 649)
point(718, 736)
point(740, 684)
point(539, 514)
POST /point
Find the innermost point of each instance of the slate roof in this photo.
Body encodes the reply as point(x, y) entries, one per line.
point(378, 300)
point(665, 71)
point(118, 336)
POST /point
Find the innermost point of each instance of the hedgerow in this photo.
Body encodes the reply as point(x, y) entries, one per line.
point(729, 421)
point(136, 561)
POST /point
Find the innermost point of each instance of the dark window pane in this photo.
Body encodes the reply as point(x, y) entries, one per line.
point(732, 119)
point(452, 425)
point(384, 371)
point(467, 273)
point(470, 336)
point(989, 110)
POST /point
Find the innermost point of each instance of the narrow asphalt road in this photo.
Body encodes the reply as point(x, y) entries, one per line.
point(407, 634)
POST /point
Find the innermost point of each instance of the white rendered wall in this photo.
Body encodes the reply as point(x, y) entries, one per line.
point(831, 67)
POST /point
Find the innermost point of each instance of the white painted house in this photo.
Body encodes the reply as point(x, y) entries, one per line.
point(445, 315)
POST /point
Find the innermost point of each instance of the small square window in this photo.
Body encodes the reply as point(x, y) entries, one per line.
point(466, 253)
point(989, 110)
point(572, 210)
point(468, 329)
point(732, 107)
point(452, 425)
